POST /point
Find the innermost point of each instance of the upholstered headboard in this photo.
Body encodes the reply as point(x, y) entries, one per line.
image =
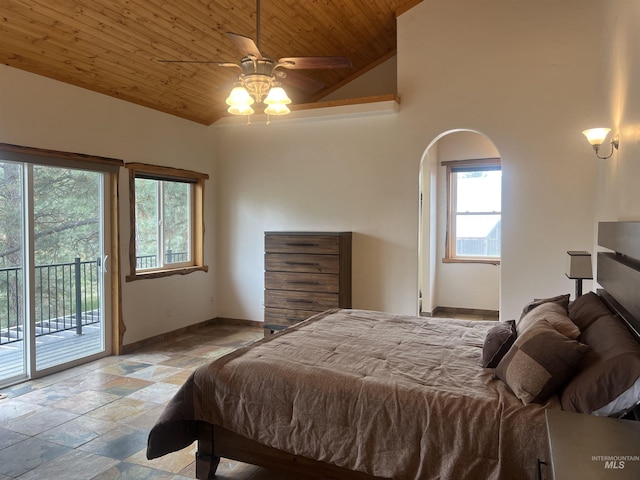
point(619, 270)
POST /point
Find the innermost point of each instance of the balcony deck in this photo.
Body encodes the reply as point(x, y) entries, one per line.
point(51, 349)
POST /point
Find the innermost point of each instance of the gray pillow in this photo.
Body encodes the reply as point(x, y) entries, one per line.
point(498, 342)
point(562, 300)
point(587, 309)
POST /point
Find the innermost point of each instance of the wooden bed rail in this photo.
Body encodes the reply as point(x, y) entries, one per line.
point(215, 442)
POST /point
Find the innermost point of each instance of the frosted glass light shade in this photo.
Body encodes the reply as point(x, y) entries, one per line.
point(277, 109)
point(596, 136)
point(277, 95)
point(240, 110)
point(239, 97)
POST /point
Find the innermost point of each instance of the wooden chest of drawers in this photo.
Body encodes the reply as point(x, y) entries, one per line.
point(305, 273)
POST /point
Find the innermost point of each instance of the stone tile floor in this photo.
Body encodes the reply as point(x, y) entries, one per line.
point(92, 421)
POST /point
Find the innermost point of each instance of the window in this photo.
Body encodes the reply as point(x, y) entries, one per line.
point(166, 223)
point(473, 210)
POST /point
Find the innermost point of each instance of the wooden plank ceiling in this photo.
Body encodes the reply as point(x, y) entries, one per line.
point(113, 46)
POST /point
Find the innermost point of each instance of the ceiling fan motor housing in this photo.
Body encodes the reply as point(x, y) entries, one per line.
point(257, 76)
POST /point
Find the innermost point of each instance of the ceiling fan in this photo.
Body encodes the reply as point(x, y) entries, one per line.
point(260, 76)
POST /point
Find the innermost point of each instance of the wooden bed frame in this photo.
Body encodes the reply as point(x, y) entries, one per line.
point(618, 274)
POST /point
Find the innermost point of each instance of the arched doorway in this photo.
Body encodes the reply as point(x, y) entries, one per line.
point(445, 282)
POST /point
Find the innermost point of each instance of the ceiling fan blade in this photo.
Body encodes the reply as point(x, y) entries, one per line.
point(205, 62)
point(187, 61)
point(311, 63)
point(246, 45)
point(302, 82)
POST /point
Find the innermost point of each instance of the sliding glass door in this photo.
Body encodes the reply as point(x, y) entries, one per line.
point(52, 289)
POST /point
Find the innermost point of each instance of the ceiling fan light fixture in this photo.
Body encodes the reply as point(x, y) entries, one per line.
point(258, 80)
point(252, 89)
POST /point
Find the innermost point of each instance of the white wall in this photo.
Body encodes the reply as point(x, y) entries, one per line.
point(380, 80)
point(337, 174)
point(619, 109)
point(38, 112)
point(462, 285)
point(524, 76)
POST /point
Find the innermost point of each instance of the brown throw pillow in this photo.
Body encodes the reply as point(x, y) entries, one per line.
point(562, 300)
point(607, 371)
point(553, 313)
point(586, 309)
point(540, 361)
point(498, 342)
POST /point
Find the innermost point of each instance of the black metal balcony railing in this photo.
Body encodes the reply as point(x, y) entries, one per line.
point(151, 261)
point(66, 297)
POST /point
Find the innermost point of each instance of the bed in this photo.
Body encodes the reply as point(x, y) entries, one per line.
point(362, 394)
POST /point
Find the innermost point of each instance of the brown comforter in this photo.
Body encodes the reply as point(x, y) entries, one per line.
point(390, 395)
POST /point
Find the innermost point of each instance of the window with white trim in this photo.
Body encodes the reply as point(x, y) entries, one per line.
point(474, 210)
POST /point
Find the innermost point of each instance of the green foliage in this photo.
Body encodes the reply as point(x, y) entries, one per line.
point(10, 214)
point(169, 218)
point(67, 214)
point(66, 206)
point(146, 216)
point(176, 216)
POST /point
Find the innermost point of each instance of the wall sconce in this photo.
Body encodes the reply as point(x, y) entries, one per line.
point(579, 268)
point(596, 136)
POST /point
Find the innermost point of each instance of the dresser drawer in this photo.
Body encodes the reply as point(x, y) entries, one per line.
point(311, 301)
point(302, 282)
point(300, 262)
point(320, 244)
point(284, 316)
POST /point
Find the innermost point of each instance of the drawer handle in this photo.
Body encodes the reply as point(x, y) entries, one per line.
point(304, 264)
point(301, 282)
point(302, 244)
point(299, 301)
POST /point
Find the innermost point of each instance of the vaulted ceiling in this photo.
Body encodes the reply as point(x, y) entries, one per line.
point(114, 46)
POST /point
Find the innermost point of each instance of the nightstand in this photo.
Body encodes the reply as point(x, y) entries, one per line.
point(585, 447)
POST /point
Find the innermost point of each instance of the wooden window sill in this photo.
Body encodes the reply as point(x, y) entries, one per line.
point(166, 273)
point(488, 261)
